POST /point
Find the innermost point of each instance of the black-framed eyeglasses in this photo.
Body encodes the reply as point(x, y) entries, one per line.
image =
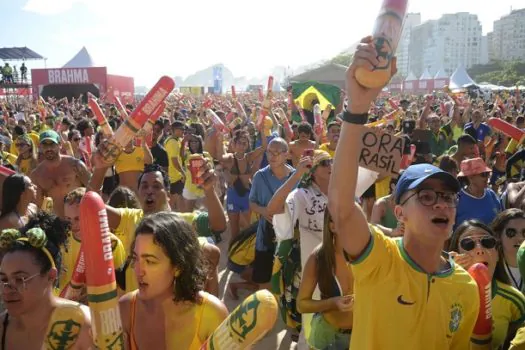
point(469, 243)
point(429, 197)
point(18, 283)
point(76, 139)
point(511, 233)
point(485, 174)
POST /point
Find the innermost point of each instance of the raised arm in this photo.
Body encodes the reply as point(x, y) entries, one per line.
point(349, 219)
point(276, 204)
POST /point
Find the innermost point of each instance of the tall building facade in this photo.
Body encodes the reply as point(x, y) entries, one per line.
point(403, 57)
point(449, 42)
point(508, 37)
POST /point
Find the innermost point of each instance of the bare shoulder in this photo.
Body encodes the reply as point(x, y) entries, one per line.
point(213, 304)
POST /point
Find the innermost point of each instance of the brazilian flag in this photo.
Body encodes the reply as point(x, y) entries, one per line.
point(306, 92)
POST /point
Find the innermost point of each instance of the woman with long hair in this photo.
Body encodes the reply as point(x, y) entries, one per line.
point(192, 192)
point(169, 310)
point(328, 269)
point(18, 197)
point(35, 317)
point(27, 159)
point(474, 242)
point(240, 166)
point(509, 228)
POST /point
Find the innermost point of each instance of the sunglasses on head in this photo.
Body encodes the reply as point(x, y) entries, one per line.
point(469, 243)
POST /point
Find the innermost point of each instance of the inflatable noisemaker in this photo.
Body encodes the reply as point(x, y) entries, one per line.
point(42, 108)
point(234, 123)
point(287, 128)
point(507, 128)
point(392, 104)
point(317, 119)
point(261, 94)
point(406, 159)
point(100, 273)
point(207, 103)
point(300, 110)
point(64, 326)
point(386, 34)
point(123, 113)
point(234, 94)
point(483, 327)
point(144, 111)
point(229, 116)
point(5, 171)
point(217, 122)
point(387, 118)
point(266, 105)
point(290, 104)
point(148, 127)
point(247, 324)
point(101, 118)
point(449, 93)
point(73, 290)
point(240, 109)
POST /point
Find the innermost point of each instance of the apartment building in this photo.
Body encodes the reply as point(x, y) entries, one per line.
point(507, 41)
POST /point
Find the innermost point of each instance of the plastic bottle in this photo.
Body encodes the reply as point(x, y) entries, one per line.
point(387, 32)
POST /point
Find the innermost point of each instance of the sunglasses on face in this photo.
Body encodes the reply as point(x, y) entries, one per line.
point(326, 162)
point(484, 175)
point(469, 243)
point(511, 233)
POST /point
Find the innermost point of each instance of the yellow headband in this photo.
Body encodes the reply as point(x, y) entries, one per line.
point(43, 248)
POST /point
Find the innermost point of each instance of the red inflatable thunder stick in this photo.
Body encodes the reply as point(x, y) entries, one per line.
point(217, 122)
point(5, 171)
point(300, 110)
point(234, 94)
point(148, 127)
point(290, 104)
point(318, 129)
point(100, 273)
point(508, 129)
point(121, 109)
point(483, 328)
point(74, 288)
point(144, 111)
point(387, 32)
point(101, 118)
point(266, 104)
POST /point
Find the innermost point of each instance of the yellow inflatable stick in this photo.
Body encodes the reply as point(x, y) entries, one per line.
point(248, 323)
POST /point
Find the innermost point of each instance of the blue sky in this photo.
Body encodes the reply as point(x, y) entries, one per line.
point(146, 39)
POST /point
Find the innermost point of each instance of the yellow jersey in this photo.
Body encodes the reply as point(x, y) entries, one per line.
point(70, 254)
point(133, 161)
point(398, 306)
point(383, 187)
point(25, 166)
point(35, 137)
point(324, 147)
point(9, 157)
point(508, 309)
point(172, 147)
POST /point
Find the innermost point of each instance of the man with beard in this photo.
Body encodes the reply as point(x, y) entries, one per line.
point(332, 135)
point(153, 193)
point(57, 174)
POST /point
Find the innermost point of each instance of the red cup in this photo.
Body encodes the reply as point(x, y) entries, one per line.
point(196, 162)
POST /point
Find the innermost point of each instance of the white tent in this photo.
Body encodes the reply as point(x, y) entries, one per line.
point(80, 60)
point(459, 79)
point(441, 74)
point(426, 75)
point(411, 77)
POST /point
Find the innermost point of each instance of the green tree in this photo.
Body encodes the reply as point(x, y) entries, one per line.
point(500, 73)
point(344, 58)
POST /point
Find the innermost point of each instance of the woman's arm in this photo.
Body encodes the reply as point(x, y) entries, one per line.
point(378, 211)
point(305, 303)
point(276, 204)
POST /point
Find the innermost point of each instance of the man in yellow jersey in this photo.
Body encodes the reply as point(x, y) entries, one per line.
point(72, 248)
point(408, 294)
point(153, 194)
point(175, 171)
point(334, 129)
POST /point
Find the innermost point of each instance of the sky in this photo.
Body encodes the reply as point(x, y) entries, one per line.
point(147, 39)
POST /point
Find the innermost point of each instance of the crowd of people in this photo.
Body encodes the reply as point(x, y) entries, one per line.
point(283, 183)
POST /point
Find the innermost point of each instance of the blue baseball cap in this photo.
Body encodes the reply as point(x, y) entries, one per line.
point(414, 176)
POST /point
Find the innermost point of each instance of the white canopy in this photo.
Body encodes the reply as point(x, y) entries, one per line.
point(459, 79)
point(441, 74)
point(411, 77)
point(426, 75)
point(81, 60)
